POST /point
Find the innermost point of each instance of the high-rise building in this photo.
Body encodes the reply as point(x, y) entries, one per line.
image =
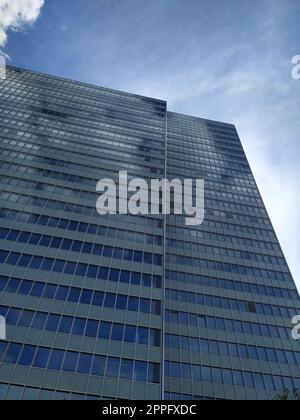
point(124, 306)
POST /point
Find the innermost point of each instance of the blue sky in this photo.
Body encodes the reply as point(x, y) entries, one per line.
point(227, 60)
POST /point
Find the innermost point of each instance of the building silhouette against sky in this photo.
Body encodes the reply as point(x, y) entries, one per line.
point(133, 307)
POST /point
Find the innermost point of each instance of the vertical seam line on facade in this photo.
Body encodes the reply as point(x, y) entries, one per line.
point(164, 270)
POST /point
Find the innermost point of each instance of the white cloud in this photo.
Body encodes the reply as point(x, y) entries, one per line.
point(14, 14)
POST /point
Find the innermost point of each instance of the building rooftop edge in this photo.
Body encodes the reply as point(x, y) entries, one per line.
point(162, 101)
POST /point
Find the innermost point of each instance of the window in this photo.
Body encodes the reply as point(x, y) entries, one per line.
point(196, 372)
point(112, 367)
point(258, 380)
point(27, 355)
point(92, 328)
point(125, 277)
point(70, 268)
point(62, 293)
point(248, 378)
point(3, 347)
point(117, 332)
point(70, 362)
point(12, 353)
point(186, 371)
point(126, 371)
point(217, 375)
point(74, 295)
point(214, 348)
point(238, 378)
point(86, 297)
point(104, 330)
point(121, 302)
point(130, 334)
point(78, 326)
point(52, 323)
point(228, 377)
point(133, 304)
point(206, 374)
point(13, 285)
point(110, 300)
point(41, 358)
point(37, 289)
point(92, 271)
point(36, 262)
point(25, 287)
point(154, 373)
point(50, 291)
point(25, 319)
point(114, 275)
point(143, 336)
point(98, 366)
point(65, 324)
point(84, 364)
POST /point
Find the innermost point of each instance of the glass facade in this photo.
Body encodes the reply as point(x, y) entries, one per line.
point(229, 295)
point(133, 307)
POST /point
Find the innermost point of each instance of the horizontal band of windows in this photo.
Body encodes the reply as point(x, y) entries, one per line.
point(67, 123)
point(67, 87)
point(45, 126)
point(253, 380)
point(210, 191)
point(256, 232)
point(30, 154)
point(78, 269)
point(60, 103)
point(101, 251)
point(205, 143)
point(38, 186)
point(174, 396)
point(201, 249)
point(242, 351)
point(17, 179)
point(117, 162)
point(75, 209)
point(201, 161)
point(243, 270)
point(228, 325)
point(208, 169)
point(70, 225)
point(142, 220)
point(139, 152)
point(18, 393)
point(83, 296)
point(67, 361)
point(83, 327)
point(230, 304)
point(119, 127)
point(196, 236)
point(76, 178)
point(197, 158)
point(91, 208)
point(31, 170)
point(238, 286)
